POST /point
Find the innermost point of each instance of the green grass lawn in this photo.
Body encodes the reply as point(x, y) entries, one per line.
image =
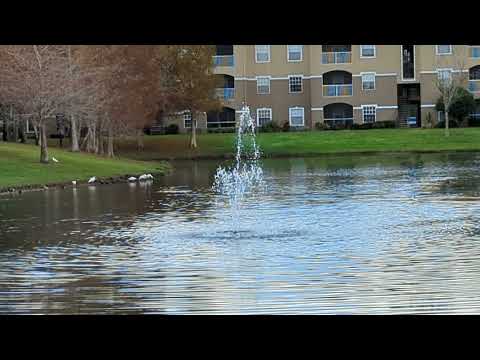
point(19, 165)
point(308, 143)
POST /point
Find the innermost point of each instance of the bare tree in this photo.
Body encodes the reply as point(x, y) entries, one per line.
point(34, 78)
point(448, 81)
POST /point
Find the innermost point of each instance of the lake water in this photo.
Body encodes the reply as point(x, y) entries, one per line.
point(335, 235)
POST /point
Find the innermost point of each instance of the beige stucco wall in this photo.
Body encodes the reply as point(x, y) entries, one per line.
point(279, 99)
point(386, 64)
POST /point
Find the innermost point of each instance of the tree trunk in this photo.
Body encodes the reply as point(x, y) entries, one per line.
point(43, 144)
point(110, 142)
point(37, 137)
point(193, 137)
point(5, 130)
point(15, 130)
point(447, 130)
point(140, 144)
point(23, 139)
point(74, 134)
point(99, 142)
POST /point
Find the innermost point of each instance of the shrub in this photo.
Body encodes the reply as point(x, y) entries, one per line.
point(451, 124)
point(270, 127)
point(387, 124)
point(462, 105)
point(364, 126)
point(221, 130)
point(286, 126)
point(474, 122)
point(171, 129)
point(321, 126)
point(428, 121)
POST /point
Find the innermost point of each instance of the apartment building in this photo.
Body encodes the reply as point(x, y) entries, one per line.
point(308, 84)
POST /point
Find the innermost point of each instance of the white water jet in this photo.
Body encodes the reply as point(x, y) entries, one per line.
point(246, 174)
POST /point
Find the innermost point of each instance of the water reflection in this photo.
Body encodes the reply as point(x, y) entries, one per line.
point(363, 234)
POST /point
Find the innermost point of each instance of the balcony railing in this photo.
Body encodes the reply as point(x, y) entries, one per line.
point(337, 57)
point(474, 51)
point(338, 90)
point(474, 86)
point(223, 60)
point(475, 116)
point(225, 93)
point(339, 121)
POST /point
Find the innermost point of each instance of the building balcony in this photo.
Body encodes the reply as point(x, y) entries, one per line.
point(338, 90)
point(474, 52)
point(343, 57)
point(474, 86)
point(224, 60)
point(225, 93)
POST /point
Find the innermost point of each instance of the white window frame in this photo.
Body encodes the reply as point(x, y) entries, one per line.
point(257, 51)
point(438, 115)
point(263, 109)
point(445, 70)
point(362, 74)
point(363, 107)
point(184, 115)
point(288, 53)
point(269, 84)
point(368, 57)
point(290, 115)
point(301, 84)
point(440, 54)
point(27, 128)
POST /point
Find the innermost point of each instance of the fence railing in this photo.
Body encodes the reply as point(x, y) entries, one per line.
point(342, 119)
point(344, 57)
point(225, 93)
point(474, 52)
point(475, 116)
point(338, 90)
point(474, 86)
point(223, 60)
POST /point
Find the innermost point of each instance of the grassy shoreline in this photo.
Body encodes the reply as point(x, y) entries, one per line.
point(20, 168)
point(307, 144)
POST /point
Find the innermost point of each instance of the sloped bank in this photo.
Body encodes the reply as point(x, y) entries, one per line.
point(308, 143)
point(21, 171)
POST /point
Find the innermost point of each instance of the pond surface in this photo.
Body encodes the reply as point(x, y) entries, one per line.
point(337, 235)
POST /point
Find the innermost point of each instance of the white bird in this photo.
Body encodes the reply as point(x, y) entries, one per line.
point(143, 177)
point(150, 176)
point(92, 180)
point(74, 182)
point(55, 160)
point(132, 179)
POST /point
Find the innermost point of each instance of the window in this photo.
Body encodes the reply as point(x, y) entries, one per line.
point(369, 113)
point(264, 116)
point(263, 85)
point(295, 83)
point(367, 51)
point(29, 127)
point(444, 49)
point(296, 116)
point(187, 119)
point(295, 52)
point(444, 75)
point(368, 81)
point(262, 53)
point(440, 116)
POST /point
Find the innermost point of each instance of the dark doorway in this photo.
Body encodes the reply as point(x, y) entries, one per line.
point(221, 119)
point(409, 109)
point(408, 62)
